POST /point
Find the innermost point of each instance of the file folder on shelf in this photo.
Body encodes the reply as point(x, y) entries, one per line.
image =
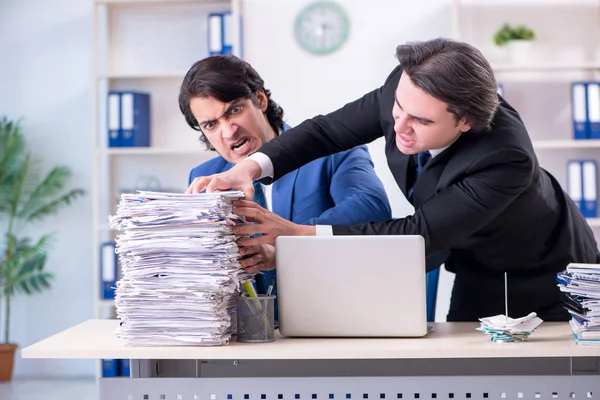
point(579, 110)
point(593, 109)
point(108, 270)
point(220, 33)
point(135, 119)
point(124, 369)
point(590, 189)
point(110, 368)
point(582, 186)
point(575, 182)
point(215, 35)
point(500, 89)
point(114, 119)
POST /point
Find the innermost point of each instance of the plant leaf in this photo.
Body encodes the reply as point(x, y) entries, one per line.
point(32, 277)
point(53, 206)
point(50, 187)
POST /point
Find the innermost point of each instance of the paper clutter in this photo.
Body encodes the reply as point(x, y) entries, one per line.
point(505, 329)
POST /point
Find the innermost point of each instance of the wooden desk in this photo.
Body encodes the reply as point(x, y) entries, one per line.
point(454, 361)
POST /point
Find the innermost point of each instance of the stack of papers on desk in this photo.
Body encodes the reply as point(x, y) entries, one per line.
point(505, 329)
point(180, 268)
point(581, 285)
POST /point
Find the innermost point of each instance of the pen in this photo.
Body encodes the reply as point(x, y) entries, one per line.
point(270, 289)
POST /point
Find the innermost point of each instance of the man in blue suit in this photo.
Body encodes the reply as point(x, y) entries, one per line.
point(224, 98)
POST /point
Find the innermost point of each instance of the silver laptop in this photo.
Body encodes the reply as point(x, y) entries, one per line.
point(351, 286)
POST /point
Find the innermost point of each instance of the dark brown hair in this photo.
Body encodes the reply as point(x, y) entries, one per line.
point(455, 73)
point(225, 78)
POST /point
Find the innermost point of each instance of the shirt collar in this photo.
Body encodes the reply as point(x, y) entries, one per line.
point(435, 152)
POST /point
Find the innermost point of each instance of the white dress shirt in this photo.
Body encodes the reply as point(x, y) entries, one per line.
point(266, 166)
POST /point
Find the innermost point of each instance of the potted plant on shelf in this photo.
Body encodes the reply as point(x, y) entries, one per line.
point(24, 200)
point(518, 39)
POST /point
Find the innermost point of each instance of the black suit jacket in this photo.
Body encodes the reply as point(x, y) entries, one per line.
point(485, 198)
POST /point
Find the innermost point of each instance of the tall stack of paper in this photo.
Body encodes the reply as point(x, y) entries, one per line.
point(180, 269)
point(581, 285)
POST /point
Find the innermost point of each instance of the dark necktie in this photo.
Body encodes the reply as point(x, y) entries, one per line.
point(259, 195)
point(422, 159)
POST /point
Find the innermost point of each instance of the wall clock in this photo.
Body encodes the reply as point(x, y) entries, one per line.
point(322, 27)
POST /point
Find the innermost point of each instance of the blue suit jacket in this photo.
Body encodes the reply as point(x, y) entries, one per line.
point(341, 189)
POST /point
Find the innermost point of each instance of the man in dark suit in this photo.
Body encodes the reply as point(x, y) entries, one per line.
point(462, 156)
point(225, 99)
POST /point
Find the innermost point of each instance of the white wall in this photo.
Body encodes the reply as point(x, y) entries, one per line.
point(307, 85)
point(45, 78)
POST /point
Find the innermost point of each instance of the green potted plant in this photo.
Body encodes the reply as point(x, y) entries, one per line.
point(518, 39)
point(25, 198)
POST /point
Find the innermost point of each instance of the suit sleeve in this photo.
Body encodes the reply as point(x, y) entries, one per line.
point(356, 190)
point(354, 124)
point(191, 177)
point(490, 185)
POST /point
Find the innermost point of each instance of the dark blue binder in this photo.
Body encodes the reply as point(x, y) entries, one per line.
point(135, 119)
point(125, 369)
point(579, 112)
point(113, 118)
point(575, 182)
point(589, 177)
point(220, 33)
point(110, 368)
point(593, 109)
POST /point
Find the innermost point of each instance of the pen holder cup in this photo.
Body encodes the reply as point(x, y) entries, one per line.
point(256, 319)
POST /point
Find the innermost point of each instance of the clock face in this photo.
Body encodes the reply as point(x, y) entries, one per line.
point(322, 27)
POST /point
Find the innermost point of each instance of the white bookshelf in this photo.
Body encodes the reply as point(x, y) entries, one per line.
point(525, 3)
point(148, 46)
point(539, 88)
point(156, 151)
point(594, 222)
point(148, 75)
point(114, 3)
point(547, 67)
point(567, 144)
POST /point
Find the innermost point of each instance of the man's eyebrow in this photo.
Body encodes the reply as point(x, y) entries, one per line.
point(422, 119)
point(227, 111)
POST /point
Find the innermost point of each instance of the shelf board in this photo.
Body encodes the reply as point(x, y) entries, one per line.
point(163, 2)
point(155, 151)
point(595, 222)
point(145, 75)
point(549, 67)
point(528, 3)
point(567, 144)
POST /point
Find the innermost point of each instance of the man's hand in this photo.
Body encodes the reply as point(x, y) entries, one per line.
point(258, 258)
point(239, 177)
point(269, 224)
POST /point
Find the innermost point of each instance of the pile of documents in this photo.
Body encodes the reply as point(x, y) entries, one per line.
point(581, 285)
point(180, 268)
point(504, 329)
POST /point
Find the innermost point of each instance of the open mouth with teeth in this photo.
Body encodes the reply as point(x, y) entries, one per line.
point(241, 146)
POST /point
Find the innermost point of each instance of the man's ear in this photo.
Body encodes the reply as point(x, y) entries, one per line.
point(263, 102)
point(465, 125)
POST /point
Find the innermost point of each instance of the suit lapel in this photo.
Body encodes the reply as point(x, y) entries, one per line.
point(283, 195)
point(429, 179)
point(401, 166)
